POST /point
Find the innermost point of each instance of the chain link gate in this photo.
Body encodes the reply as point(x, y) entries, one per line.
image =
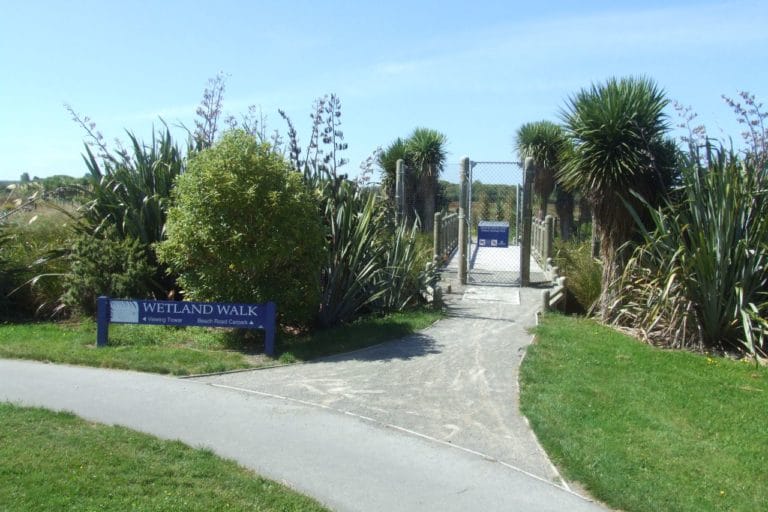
point(494, 216)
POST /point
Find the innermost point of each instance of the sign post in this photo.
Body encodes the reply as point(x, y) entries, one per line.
point(188, 314)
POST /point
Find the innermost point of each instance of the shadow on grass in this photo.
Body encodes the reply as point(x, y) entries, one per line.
point(408, 347)
point(344, 342)
point(291, 346)
point(246, 341)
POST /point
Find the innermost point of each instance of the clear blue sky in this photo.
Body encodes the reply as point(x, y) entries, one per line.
point(473, 70)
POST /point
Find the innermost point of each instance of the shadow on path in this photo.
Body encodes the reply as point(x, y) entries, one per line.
point(410, 347)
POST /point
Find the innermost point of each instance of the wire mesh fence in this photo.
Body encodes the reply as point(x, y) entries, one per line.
point(494, 222)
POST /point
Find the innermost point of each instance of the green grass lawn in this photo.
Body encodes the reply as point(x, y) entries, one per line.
point(56, 461)
point(644, 429)
point(185, 351)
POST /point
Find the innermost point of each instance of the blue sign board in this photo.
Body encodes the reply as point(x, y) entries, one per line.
point(493, 233)
point(189, 314)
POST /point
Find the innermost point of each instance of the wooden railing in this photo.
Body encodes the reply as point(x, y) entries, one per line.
point(542, 240)
point(446, 236)
point(554, 298)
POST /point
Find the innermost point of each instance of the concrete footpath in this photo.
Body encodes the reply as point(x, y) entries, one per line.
point(455, 382)
point(428, 422)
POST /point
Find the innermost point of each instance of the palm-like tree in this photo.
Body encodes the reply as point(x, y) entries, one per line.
point(617, 130)
point(426, 153)
point(544, 141)
point(387, 160)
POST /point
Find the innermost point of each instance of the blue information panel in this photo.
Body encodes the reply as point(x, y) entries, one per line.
point(493, 233)
point(189, 314)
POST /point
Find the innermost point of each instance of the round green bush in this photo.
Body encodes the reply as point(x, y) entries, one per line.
point(245, 228)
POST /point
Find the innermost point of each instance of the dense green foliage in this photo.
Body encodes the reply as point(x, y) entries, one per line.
point(56, 461)
point(700, 278)
point(617, 131)
point(371, 264)
point(682, 237)
point(29, 235)
point(423, 154)
point(8, 274)
point(387, 161)
point(545, 142)
point(645, 429)
point(323, 246)
point(403, 272)
point(352, 271)
point(104, 264)
point(426, 155)
point(582, 271)
point(131, 192)
point(246, 229)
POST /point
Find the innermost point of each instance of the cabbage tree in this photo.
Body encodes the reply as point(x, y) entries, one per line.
point(617, 129)
point(426, 153)
point(544, 141)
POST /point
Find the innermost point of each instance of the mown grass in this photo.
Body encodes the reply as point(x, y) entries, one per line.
point(645, 429)
point(185, 351)
point(137, 347)
point(56, 461)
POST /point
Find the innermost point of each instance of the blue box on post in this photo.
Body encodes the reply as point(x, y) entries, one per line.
point(493, 233)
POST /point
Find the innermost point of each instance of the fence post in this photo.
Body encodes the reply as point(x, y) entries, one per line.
point(438, 239)
point(525, 246)
point(399, 190)
point(463, 204)
point(549, 237)
point(455, 231)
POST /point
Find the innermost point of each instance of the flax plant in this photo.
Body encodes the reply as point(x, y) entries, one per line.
point(350, 274)
point(402, 278)
point(131, 191)
point(371, 265)
point(700, 279)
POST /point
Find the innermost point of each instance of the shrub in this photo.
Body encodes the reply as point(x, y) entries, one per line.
point(131, 191)
point(9, 273)
point(244, 228)
point(405, 272)
point(33, 237)
point(104, 264)
point(30, 228)
point(700, 279)
point(351, 272)
point(583, 272)
point(370, 265)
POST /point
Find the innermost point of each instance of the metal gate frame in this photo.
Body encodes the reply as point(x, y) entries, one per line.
point(502, 277)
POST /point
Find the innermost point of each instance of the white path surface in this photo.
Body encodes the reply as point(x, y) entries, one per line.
point(494, 258)
point(495, 265)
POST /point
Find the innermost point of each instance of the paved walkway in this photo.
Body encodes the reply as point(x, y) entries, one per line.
point(429, 422)
point(455, 382)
